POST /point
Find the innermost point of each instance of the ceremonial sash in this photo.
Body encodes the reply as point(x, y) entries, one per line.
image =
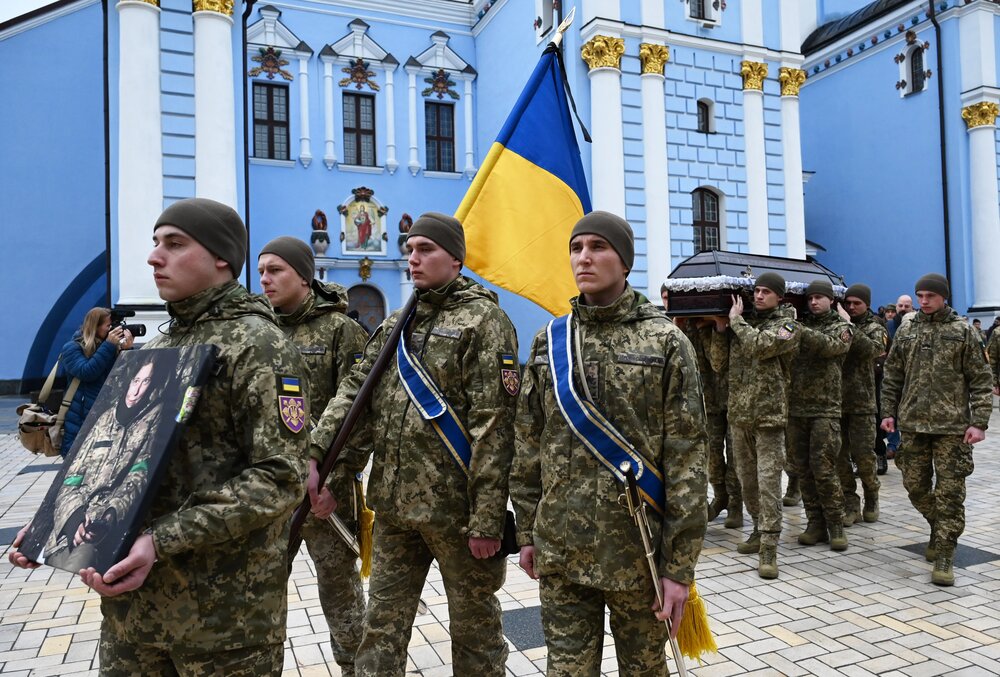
point(433, 407)
point(589, 425)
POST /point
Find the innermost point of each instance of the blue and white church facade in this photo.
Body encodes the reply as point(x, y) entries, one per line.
point(340, 121)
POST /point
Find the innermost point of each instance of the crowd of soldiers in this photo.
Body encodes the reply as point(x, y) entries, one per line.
point(615, 392)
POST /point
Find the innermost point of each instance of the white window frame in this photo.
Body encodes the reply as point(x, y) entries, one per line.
point(906, 70)
point(711, 116)
point(713, 13)
point(544, 10)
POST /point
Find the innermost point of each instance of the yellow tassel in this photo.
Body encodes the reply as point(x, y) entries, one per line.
point(366, 524)
point(695, 637)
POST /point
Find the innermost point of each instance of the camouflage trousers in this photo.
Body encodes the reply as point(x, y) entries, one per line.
point(942, 503)
point(401, 558)
point(760, 455)
point(573, 622)
point(857, 444)
point(722, 470)
point(340, 592)
point(814, 444)
point(121, 659)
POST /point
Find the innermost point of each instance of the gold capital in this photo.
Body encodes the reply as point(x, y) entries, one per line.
point(791, 79)
point(753, 73)
point(980, 114)
point(220, 6)
point(653, 58)
point(603, 52)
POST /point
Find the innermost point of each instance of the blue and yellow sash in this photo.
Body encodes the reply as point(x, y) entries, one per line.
point(433, 407)
point(589, 425)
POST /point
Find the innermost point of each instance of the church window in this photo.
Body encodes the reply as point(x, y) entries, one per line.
point(270, 121)
point(706, 116)
point(697, 9)
point(917, 75)
point(705, 207)
point(543, 18)
point(359, 129)
point(706, 12)
point(439, 124)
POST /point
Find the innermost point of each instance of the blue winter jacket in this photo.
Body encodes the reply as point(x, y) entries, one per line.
point(92, 372)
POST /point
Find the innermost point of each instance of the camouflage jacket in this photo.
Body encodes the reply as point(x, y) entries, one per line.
point(330, 344)
point(871, 340)
point(993, 355)
point(815, 390)
point(936, 378)
point(643, 375)
point(462, 338)
point(714, 379)
point(759, 350)
point(220, 517)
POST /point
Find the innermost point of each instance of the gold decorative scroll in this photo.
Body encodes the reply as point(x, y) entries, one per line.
point(753, 73)
point(220, 6)
point(603, 52)
point(791, 80)
point(653, 58)
point(980, 114)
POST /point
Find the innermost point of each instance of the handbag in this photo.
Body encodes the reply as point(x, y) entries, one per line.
point(41, 431)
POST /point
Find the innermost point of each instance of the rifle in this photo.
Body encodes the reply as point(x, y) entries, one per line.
point(637, 509)
point(361, 401)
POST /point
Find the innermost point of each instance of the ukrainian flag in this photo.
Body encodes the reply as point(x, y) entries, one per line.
point(528, 195)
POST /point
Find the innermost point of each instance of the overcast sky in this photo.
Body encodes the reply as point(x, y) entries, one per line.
point(11, 8)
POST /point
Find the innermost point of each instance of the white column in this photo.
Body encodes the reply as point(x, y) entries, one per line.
point(652, 16)
point(305, 150)
point(330, 150)
point(655, 170)
point(140, 149)
point(606, 9)
point(414, 163)
point(756, 163)
point(391, 163)
point(607, 161)
point(791, 149)
point(214, 107)
point(470, 162)
point(984, 210)
point(752, 22)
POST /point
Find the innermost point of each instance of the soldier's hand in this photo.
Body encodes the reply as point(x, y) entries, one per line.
point(322, 501)
point(721, 323)
point(843, 313)
point(888, 425)
point(737, 308)
point(483, 548)
point(974, 435)
point(127, 575)
point(15, 557)
point(674, 596)
point(996, 390)
point(527, 561)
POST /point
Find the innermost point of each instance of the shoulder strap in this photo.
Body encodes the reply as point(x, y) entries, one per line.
point(46, 390)
point(67, 400)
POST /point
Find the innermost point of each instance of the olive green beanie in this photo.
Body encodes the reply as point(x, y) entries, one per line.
point(771, 281)
point(295, 252)
point(821, 287)
point(934, 282)
point(612, 228)
point(861, 291)
point(445, 231)
point(217, 227)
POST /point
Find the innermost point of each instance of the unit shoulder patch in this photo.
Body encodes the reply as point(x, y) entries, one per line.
point(846, 335)
point(786, 331)
point(291, 403)
point(510, 375)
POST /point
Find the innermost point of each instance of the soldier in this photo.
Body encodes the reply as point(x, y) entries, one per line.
point(441, 460)
point(760, 350)
point(859, 410)
point(993, 356)
point(814, 414)
point(202, 591)
point(936, 390)
point(615, 355)
point(311, 314)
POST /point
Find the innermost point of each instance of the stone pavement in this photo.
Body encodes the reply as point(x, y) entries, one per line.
point(870, 610)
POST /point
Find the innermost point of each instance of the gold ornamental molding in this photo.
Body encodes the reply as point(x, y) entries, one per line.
point(653, 58)
point(603, 51)
point(753, 73)
point(220, 6)
point(791, 80)
point(980, 114)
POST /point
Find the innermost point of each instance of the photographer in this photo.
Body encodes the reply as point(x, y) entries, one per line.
point(89, 357)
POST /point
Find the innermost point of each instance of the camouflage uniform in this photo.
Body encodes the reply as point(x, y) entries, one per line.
point(858, 424)
point(215, 602)
point(643, 375)
point(993, 355)
point(426, 506)
point(936, 385)
point(330, 343)
point(759, 350)
point(814, 414)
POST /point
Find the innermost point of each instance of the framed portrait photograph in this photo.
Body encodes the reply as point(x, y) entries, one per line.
point(94, 509)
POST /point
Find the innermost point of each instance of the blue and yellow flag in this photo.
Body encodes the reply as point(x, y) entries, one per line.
point(528, 195)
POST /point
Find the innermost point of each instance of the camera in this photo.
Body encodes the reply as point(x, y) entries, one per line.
point(134, 329)
point(118, 319)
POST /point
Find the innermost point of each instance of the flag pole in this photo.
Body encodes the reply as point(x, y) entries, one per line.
point(557, 38)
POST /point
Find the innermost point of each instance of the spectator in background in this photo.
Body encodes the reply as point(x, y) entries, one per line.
point(996, 323)
point(89, 357)
point(978, 326)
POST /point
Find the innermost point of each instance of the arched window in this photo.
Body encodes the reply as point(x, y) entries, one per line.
point(705, 208)
point(706, 116)
point(367, 302)
point(918, 77)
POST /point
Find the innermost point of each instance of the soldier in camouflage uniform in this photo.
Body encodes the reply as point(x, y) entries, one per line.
point(814, 414)
point(993, 355)
point(936, 390)
point(575, 536)
point(312, 315)
point(858, 424)
point(202, 591)
point(759, 350)
point(428, 508)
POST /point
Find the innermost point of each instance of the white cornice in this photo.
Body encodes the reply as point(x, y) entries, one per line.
point(436, 10)
point(488, 17)
point(46, 17)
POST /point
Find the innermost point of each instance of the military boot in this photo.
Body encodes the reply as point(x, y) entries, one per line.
point(719, 502)
point(838, 539)
point(751, 545)
point(931, 553)
point(943, 573)
point(734, 514)
point(767, 562)
point(851, 515)
point(792, 495)
point(870, 512)
point(815, 533)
